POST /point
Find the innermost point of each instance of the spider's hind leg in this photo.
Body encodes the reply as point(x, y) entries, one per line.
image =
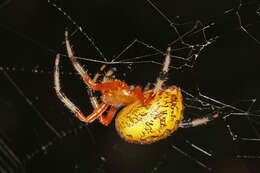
point(199, 121)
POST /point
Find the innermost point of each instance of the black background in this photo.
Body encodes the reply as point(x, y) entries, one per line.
point(31, 34)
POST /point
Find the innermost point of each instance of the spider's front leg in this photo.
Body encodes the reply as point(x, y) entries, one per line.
point(69, 104)
point(81, 71)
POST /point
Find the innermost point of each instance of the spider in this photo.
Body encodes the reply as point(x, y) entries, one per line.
point(147, 116)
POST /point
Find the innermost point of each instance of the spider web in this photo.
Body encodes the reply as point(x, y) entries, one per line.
point(214, 61)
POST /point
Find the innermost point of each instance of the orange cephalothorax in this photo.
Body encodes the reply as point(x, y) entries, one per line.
point(119, 94)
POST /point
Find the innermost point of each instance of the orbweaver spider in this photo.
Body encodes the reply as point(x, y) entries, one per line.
point(146, 118)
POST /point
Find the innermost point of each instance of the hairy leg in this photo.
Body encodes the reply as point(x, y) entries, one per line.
point(199, 121)
point(69, 104)
point(81, 71)
point(162, 77)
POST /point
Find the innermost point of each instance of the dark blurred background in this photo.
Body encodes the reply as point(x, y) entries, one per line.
point(38, 134)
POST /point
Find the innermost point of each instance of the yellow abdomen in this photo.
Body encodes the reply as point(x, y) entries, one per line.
point(146, 124)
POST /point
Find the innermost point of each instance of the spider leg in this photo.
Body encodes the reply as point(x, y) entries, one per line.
point(107, 76)
point(106, 120)
point(59, 93)
point(93, 99)
point(199, 121)
point(77, 65)
point(162, 77)
point(98, 73)
point(95, 114)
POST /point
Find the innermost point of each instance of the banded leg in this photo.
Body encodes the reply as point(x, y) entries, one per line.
point(94, 115)
point(98, 73)
point(199, 121)
point(59, 93)
point(81, 71)
point(162, 76)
